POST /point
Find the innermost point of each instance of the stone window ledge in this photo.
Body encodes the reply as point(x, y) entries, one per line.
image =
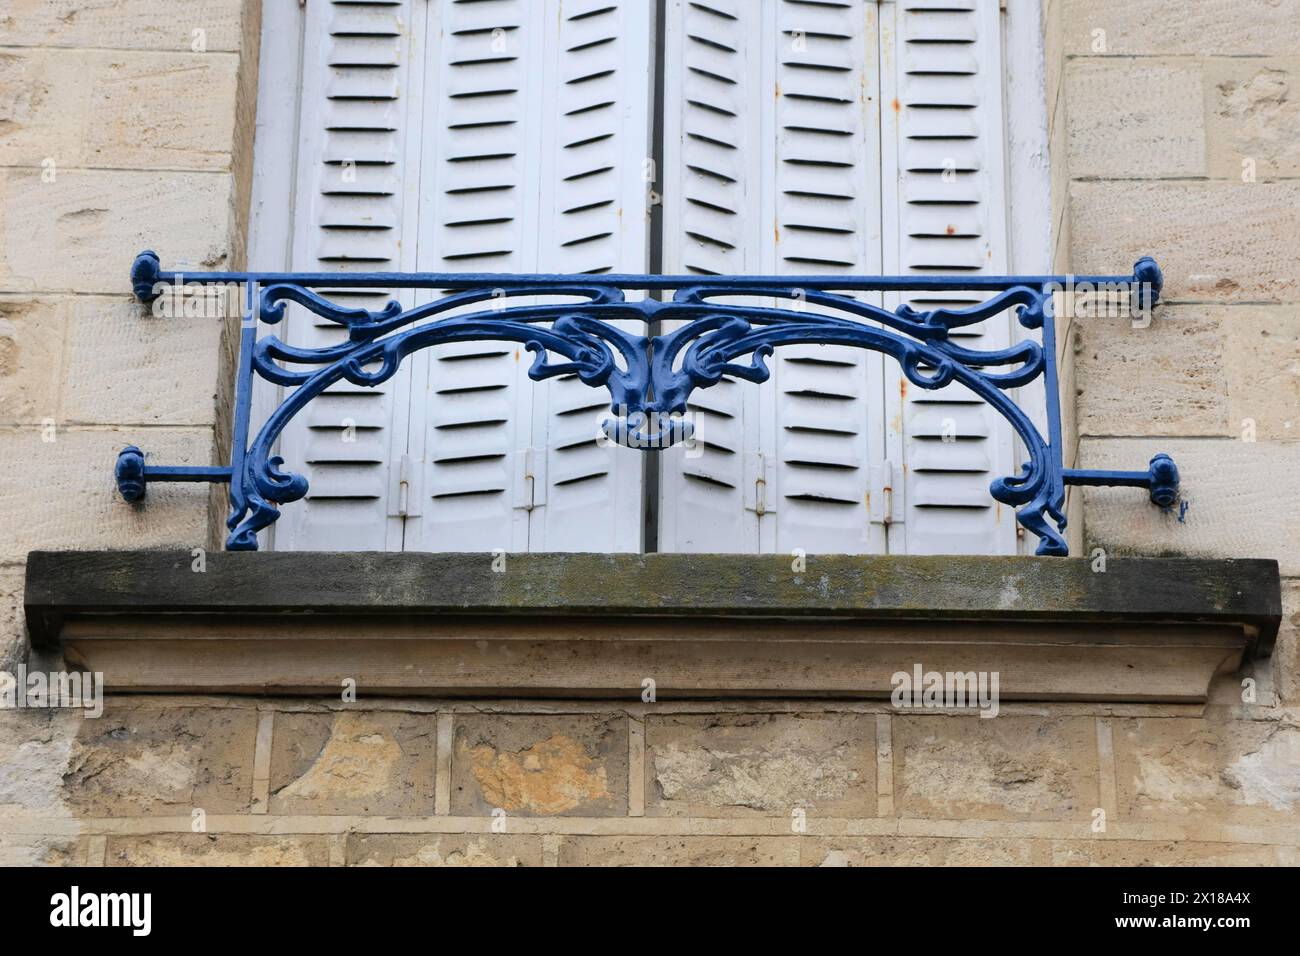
point(589, 625)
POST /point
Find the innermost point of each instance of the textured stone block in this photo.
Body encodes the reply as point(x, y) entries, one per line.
point(126, 365)
point(1132, 119)
point(1262, 368)
point(1165, 379)
point(34, 750)
point(13, 638)
point(1229, 506)
point(1253, 114)
point(353, 762)
point(1142, 853)
point(1198, 770)
point(123, 24)
point(162, 762)
point(770, 764)
point(37, 849)
point(678, 851)
point(117, 109)
point(1004, 768)
point(919, 851)
point(217, 849)
point(31, 357)
point(540, 766)
point(82, 231)
point(1286, 655)
point(444, 849)
point(61, 494)
point(1202, 28)
point(1222, 241)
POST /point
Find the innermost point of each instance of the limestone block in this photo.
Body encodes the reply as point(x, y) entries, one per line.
point(31, 355)
point(216, 849)
point(1233, 500)
point(540, 766)
point(1004, 768)
point(769, 764)
point(1286, 654)
point(919, 851)
point(42, 110)
point(123, 24)
point(81, 108)
point(13, 638)
point(127, 365)
point(35, 745)
point(1262, 367)
point(1253, 113)
point(1142, 853)
point(82, 231)
point(61, 493)
point(144, 760)
point(1223, 241)
point(1202, 28)
point(353, 762)
point(1167, 378)
point(444, 849)
point(1131, 119)
point(38, 849)
point(678, 851)
point(1196, 770)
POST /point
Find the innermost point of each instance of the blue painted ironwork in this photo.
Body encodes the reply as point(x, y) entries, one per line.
point(650, 387)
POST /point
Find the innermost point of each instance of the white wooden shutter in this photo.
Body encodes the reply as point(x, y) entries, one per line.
point(771, 156)
point(594, 217)
point(945, 213)
point(712, 210)
point(354, 202)
point(537, 124)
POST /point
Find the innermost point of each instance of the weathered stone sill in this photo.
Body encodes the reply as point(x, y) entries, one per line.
point(588, 625)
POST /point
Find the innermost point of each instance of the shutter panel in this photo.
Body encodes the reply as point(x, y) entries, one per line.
point(472, 400)
point(594, 219)
point(354, 198)
point(712, 210)
point(536, 124)
point(783, 182)
point(945, 212)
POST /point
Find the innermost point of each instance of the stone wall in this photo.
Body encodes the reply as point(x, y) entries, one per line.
point(293, 782)
point(123, 126)
point(147, 141)
point(1175, 132)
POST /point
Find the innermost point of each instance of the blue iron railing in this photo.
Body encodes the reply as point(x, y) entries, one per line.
point(650, 388)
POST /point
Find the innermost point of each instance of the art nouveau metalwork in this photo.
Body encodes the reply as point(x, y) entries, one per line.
point(649, 377)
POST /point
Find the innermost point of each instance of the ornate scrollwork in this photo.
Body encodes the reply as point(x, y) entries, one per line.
point(649, 378)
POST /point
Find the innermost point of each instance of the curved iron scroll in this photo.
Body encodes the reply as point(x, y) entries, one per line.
point(649, 378)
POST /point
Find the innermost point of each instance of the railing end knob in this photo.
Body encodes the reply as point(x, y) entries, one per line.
point(1164, 480)
point(145, 273)
point(1150, 280)
point(130, 473)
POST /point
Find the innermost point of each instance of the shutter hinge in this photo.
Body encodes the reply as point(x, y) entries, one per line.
point(885, 503)
point(407, 499)
point(762, 467)
point(528, 493)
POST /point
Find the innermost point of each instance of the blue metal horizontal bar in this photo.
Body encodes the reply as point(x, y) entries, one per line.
point(1131, 479)
point(1160, 479)
point(133, 475)
point(146, 273)
point(187, 473)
